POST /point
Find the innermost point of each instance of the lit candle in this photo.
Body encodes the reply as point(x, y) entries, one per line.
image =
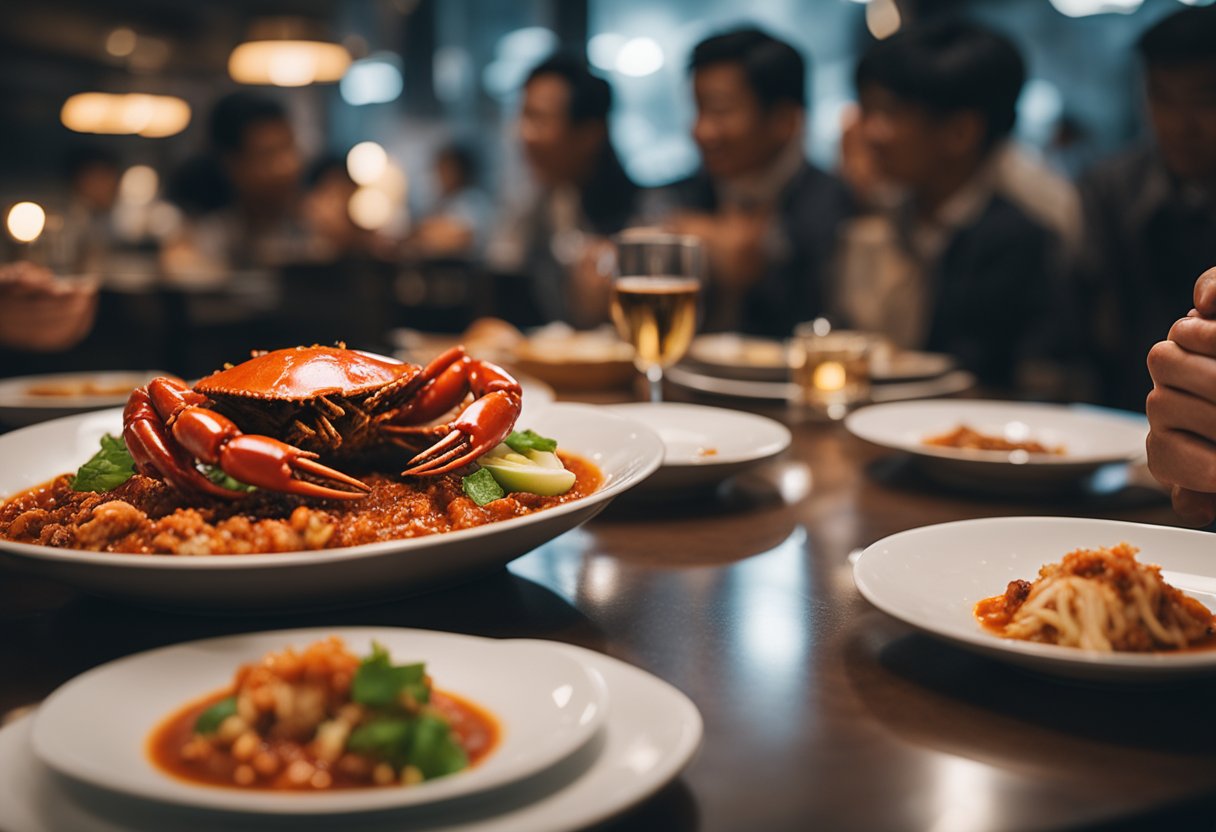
point(829, 376)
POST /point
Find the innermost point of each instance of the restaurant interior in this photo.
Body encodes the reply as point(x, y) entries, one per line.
point(691, 415)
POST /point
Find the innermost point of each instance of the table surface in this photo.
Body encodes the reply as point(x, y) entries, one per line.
point(820, 712)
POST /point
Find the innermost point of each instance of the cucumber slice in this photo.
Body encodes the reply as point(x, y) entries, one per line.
point(537, 472)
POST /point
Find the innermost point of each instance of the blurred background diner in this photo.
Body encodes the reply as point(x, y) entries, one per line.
point(1024, 185)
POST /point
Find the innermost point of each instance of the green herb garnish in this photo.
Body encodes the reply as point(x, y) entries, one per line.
point(481, 487)
point(425, 742)
point(433, 748)
point(527, 440)
point(209, 721)
point(109, 468)
point(378, 684)
point(219, 477)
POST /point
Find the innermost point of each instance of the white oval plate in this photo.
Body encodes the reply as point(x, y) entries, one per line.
point(625, 452)
point(651, 733)
point(764, 359)
point(932, 577)
point(705, 445)
point(18, 406)
point(96, 727)
point(784, 391)
point(1091, 437)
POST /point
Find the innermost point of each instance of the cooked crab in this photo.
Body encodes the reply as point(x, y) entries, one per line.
point(266, 421)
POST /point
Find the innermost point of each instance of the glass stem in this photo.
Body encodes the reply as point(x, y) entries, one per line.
point(654, 375)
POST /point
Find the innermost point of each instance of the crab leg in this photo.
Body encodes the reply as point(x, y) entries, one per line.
point(167, 429)
point(157, 454)
point(258, 460)
point(478, 428)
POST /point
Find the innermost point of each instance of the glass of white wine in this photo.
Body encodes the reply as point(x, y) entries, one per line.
point(657, 281)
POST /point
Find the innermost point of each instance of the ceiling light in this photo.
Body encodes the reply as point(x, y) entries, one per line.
point(287, 52)
point(130, 114)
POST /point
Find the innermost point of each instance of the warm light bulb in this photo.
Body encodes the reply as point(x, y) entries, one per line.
point(26, 221)
point(138, 185)
point(370, 208)
point(366, 163)
point(883, 18)
point(121, 42)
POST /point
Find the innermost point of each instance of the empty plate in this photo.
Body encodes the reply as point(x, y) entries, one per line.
point(705, 445)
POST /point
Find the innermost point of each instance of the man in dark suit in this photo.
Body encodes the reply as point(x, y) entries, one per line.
point(1150, 213)
point(937, 104)
point(766, 215)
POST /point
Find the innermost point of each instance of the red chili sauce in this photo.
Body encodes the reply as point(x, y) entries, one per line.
point(476, 730)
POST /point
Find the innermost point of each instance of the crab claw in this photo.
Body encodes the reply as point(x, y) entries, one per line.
point(268, 463)
point(481, 426)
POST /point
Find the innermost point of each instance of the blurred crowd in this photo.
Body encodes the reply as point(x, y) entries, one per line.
point(934, 229)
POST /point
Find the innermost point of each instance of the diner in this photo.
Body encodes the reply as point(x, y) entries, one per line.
point(611, 414)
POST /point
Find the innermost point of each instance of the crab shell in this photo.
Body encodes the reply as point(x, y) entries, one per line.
point(302, 373)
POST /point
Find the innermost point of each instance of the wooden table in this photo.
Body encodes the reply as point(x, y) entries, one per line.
point(820, 712)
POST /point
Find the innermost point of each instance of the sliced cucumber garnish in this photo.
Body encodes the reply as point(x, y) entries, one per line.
point(537, 472)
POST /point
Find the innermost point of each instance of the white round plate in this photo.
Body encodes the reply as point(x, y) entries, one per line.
point(764, 359)
point(782, 391)
point(1091, 438)
point(910, 365)
point(705, 445)
point(741, 356)
point(932, 577)
point(95, 728)
point(651, 733)
point(21, 404)
point(625, 452)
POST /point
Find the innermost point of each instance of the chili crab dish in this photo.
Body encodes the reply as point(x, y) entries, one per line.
point(303, 449)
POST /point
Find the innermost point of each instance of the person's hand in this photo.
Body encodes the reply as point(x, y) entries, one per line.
point(41, 314)
point(1182, 408)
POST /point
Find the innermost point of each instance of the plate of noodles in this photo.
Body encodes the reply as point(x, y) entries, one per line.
point(1093, 599)
point(1003, 444)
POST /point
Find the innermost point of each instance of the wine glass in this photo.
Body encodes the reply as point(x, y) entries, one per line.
point(657, 279)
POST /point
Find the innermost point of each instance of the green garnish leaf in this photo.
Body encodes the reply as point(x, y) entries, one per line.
point(528, 440)
point(384, 739)
point(482, 488)
point(434, 750)
point(426, 742)
point(209, 721)
point(219, 477)
point(109, 468)
point(378, 684)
